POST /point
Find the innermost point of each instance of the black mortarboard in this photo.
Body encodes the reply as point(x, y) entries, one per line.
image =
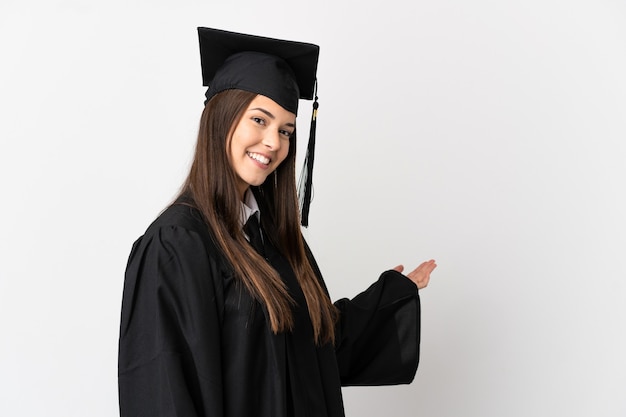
point(281, 70)
point(284, 71)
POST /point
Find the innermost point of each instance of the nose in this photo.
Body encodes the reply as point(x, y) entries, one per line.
point(271, 140)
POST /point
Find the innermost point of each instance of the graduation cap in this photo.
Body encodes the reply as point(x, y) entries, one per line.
point(282, 70)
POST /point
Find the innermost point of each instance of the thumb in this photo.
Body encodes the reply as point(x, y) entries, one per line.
point(399, 268)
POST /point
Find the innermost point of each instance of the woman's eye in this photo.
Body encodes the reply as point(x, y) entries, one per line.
point(258, 120)
point(286, 133)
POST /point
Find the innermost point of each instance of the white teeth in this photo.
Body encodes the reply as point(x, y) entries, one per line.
point(259, 158)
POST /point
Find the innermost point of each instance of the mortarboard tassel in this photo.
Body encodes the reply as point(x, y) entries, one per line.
point(305, 186)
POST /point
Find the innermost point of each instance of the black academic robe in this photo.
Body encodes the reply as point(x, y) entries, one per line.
point(194, 343)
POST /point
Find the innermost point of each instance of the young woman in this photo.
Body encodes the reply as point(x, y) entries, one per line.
point(225, 312)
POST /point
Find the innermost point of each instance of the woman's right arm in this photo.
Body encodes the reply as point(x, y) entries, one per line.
point(169, 347)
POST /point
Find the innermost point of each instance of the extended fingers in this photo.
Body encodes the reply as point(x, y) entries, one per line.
point(428, 265)
point(421, 275)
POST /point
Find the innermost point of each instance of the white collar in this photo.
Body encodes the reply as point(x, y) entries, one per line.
point(249, 207)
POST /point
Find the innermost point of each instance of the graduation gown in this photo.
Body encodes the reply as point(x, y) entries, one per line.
point(193, 342)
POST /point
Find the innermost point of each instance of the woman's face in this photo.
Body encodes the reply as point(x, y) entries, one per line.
point(260, 141)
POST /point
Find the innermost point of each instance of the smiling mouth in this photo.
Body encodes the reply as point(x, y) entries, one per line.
point(258, 157)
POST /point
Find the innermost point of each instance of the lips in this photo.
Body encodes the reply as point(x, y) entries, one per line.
point(259, 158)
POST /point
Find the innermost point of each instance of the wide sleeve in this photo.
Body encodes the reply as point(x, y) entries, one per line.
point(169, 347)
point(378, 334)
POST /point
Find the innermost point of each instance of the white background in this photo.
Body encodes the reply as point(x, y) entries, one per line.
point(488, 135)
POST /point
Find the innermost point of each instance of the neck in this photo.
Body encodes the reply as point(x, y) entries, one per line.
point(242, 192)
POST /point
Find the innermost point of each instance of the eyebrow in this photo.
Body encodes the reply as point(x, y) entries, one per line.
point(271, 116)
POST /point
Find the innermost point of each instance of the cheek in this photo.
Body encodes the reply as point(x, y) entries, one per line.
point(284, 151)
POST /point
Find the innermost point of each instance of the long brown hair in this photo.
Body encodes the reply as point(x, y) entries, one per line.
point(211, 185)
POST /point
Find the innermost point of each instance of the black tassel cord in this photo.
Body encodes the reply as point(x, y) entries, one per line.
point(305, 186)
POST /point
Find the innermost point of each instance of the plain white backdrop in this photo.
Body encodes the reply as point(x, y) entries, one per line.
point(488, 135)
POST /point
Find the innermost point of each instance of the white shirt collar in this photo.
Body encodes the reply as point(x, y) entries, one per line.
point(249, 207)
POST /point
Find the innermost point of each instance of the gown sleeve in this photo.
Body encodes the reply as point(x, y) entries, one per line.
point(378, 334)
point(169, 348)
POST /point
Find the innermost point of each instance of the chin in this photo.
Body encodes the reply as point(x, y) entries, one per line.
point(256, 182)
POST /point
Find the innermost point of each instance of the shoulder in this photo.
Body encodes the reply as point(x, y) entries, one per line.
point(176, 252)
point(179, 215)
point(178, 232)
point(181, 219)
